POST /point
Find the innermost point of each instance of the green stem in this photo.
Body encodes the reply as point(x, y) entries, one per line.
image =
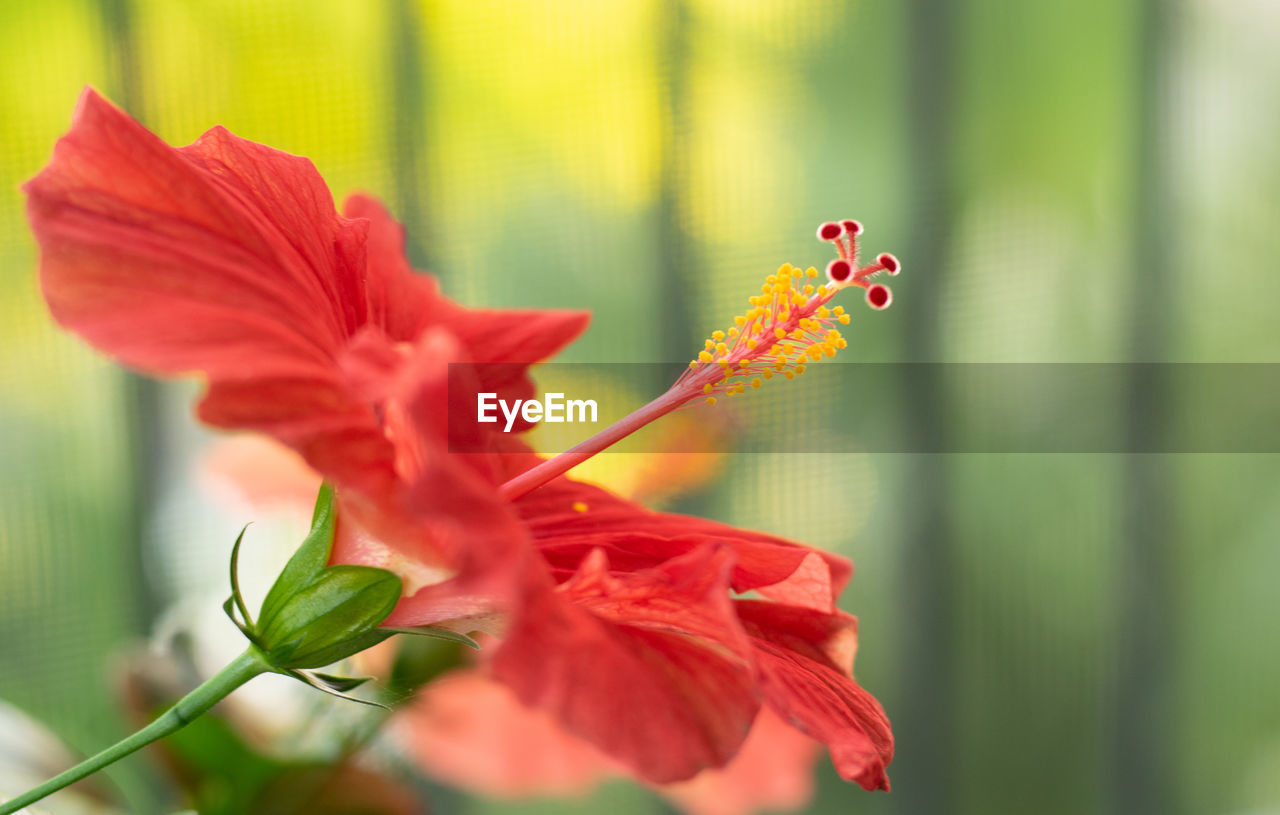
point(188, 708)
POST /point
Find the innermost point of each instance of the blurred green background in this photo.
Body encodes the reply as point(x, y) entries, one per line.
point(1064, 182)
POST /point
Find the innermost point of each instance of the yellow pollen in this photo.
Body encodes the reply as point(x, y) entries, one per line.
point(711, 400)
point(752, 343)
point(812, 272)
point(838, 310)
point(707, 388)
point(755, 383)
point(721, 348)
point(844, 319)
point(779, 332)
point(704, 357)
point(579, 506)
point(717, 335)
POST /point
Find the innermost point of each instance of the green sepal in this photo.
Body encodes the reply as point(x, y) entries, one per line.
point(316, 614)
point(310, 559)
point(326, 684)
point(236, 596)
point(342, 684)
point(435, 632)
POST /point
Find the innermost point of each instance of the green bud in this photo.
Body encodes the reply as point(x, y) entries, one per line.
point(330, 618)
point(316, 614)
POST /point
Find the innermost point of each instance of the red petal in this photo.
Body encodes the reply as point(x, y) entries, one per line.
point(447, 515)
point(503, 342)
point(772, 772)
point(637, 538)
point(225, 257)
point(651, 666)
point(804, 658)
point(398, 298)
point(470, 731)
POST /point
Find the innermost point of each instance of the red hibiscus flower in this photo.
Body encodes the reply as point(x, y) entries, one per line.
point(227, 258)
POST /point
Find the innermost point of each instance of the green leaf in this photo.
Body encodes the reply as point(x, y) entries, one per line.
point(309, 561)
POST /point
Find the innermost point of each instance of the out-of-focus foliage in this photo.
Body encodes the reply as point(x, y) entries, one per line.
point(651, 160)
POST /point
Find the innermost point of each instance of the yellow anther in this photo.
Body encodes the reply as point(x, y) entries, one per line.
point(812, 272)
point(829, 351)
point(838, 310)
point(742, 363)
point(724, 366)
point(789, 375)
point(709, 345)
point(707, 388)
point(844, 319)
point(721, 348)
point(755, 383)
point(797, 334)
point(799, 369)
point(752, 343)
point(739, 320)
point(842, 343)
point(704, 357)
point(733, 332)
point(693, 363)
point(767, 374)
point(579, 506)
point(808, 288)
point(711, 400)
point(717, 335)
point(823, 312)
point(779, 332)
point(738, 388)
point(771, 279)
